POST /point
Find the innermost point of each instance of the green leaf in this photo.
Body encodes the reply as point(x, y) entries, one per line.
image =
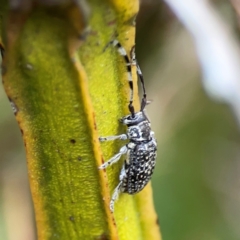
point(66, 92)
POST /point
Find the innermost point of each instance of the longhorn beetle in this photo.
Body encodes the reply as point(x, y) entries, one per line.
point(141, 151)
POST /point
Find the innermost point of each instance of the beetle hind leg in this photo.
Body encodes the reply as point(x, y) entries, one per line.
point(115, 196)
point(119, 189)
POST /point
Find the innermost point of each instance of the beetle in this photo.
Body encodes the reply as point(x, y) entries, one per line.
point(141, 150)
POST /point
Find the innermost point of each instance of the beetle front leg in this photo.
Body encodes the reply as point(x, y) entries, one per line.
point(111, 138)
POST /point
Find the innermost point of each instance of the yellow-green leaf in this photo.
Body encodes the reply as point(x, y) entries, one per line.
point(66, 92)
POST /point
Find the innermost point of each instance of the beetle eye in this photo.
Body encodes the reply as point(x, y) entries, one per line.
point(132, 118)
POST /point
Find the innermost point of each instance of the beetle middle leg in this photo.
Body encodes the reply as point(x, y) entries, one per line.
point(115, 158)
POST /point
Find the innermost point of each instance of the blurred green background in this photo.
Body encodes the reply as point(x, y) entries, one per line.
point(197, 179)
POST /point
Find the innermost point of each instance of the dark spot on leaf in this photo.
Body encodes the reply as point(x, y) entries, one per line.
point(71, 218)
point(104, 236)
point(95, 125)
point(79, 158)
point(43, 168)
point(72, 141)
point(110, 23)
point(113, 220)
point(21, 131)
point(157, 221)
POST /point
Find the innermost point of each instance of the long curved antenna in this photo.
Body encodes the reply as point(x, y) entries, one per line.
point(144, 98)
point(123, 53)
point(140, 76)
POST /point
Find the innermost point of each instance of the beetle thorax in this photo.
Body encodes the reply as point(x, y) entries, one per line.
point(140, 132)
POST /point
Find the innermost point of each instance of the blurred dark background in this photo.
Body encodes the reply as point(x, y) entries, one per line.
point(196, 182)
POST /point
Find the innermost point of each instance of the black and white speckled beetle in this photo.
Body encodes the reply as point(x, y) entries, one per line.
point(141, 151)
